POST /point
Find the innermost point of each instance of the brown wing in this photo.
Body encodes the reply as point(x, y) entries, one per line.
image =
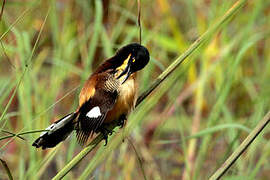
point(94, 110)
point(88, 90)
point(96, 80)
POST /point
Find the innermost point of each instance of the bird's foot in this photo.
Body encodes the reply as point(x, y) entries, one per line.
point(121, 121)
point(106, 132)
point(105, 137)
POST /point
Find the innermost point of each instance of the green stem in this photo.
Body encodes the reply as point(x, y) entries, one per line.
point(244, 145)
point(19, 134)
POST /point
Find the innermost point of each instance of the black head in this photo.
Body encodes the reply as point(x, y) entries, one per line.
point(131, 58)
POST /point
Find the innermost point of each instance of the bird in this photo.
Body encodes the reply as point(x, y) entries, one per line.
point(108, 96)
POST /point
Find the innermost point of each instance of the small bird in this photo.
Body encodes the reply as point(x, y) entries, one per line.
point(108, 96)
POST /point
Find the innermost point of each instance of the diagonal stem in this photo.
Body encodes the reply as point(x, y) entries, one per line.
point(244, 145)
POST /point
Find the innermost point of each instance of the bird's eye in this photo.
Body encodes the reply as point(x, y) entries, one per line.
point(133, 59)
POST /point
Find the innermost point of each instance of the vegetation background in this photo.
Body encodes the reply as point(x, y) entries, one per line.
point(192, 122)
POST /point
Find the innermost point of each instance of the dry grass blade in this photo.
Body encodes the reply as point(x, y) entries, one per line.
point(2, 9)
point(138, 157)
point(139, 21)
point(210, 32)
point(1, 14)
point(14, 23)
point(6, 169)
point(5, 54)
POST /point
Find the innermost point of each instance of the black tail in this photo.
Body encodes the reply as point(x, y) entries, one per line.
point(57, 132)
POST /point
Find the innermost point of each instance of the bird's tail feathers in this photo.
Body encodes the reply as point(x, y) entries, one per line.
point(56, 132)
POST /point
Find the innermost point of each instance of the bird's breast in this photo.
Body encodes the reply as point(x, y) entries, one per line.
point(125, 101)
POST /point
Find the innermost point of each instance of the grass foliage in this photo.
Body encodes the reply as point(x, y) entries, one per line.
point(187, 127)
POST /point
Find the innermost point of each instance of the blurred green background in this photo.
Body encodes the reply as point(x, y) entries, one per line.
point(192, 122)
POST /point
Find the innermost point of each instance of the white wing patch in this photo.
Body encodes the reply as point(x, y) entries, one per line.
point(94, 112)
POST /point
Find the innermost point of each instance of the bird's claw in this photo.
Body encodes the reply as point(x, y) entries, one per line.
point(106, 140)
point(105, 132)
point(121, 121)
